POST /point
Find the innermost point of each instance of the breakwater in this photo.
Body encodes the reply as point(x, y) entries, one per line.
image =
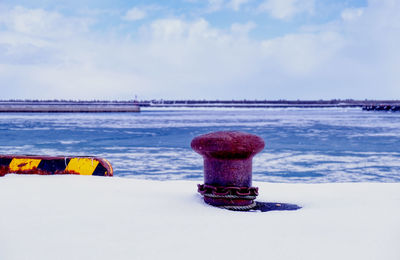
point(382, 108)
point(67, 107)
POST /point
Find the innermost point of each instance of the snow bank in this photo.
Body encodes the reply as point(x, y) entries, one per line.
point(86, 217)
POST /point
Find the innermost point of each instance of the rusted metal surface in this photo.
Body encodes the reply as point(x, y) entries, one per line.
point(49, 165)
point(5, 170)
point(227, 196)
point(228, 165)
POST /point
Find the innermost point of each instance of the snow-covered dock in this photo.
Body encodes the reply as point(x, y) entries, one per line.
point(86, 217)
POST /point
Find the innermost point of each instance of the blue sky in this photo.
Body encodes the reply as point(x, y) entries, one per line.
point(218, 49)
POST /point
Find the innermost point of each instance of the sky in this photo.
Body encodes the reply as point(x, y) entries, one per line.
point(199, 49)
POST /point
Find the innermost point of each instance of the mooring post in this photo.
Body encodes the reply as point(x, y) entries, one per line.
point(228, 168)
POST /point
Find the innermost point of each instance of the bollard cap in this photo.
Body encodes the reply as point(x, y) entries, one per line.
point(228, 145)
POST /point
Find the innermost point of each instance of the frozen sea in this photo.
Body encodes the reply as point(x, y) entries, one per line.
point(302, 145)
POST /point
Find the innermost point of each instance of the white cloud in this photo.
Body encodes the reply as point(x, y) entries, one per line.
point(236, 4)
point(286, 9)
point(177, 29)
point(242, 29)
point(350, 14)
point(135, 14)
point(39, 22)
point(215, 5)
point(302, 54)
point(218, 5)
point(35, 36)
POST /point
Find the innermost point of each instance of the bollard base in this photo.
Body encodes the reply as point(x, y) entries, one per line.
point(228, 196)
point(221, 202)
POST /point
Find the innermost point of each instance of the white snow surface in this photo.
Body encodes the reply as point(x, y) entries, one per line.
point(87, 217)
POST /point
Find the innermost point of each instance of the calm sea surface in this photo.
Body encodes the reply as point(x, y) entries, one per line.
point(302, 145)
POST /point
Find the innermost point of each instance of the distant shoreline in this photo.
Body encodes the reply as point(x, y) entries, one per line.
point(134, 105)
point(267, 103)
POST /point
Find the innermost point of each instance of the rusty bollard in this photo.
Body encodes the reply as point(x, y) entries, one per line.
point(228, 168)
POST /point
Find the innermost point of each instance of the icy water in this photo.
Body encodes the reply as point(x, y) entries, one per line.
point(302, 145)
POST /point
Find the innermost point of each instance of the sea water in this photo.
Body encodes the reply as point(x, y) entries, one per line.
point(309, 145)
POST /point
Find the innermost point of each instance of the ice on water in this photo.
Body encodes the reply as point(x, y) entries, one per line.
point(302, 145)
